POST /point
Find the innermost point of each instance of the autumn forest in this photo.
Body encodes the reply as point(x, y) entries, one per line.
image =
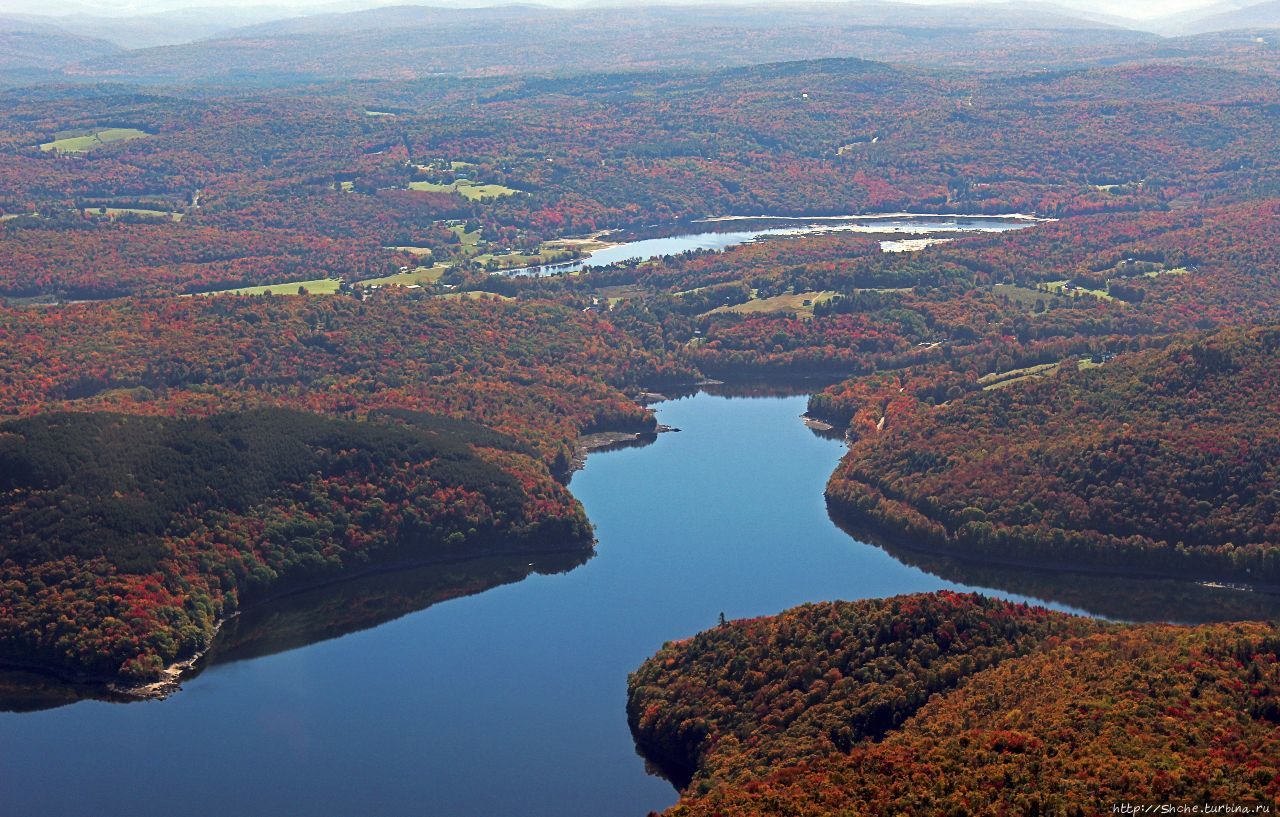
point(277, 327)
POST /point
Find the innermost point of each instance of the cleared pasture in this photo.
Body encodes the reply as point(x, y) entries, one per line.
point(467, 189)
point(799, 304)
point(81, 142)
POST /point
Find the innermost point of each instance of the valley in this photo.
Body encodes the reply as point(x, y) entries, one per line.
point(696, 410)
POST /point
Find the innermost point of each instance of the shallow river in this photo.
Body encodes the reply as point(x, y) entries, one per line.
point(507, 702)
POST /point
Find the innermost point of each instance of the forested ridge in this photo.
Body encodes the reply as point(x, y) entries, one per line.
point(276, 441)
point(1163, 461)
point(424, 42)
point(539, 370)
point(131, 536)
point(1091, 391)
point(1039, 713)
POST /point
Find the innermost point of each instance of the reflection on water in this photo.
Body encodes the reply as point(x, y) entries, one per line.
point(31, 692)
point(1122, 598)
point(331, 612)
point(371, 697)
point(300, 619)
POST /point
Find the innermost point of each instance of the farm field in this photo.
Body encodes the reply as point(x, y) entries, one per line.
point(319, 286)
point(466, 189)
point(800, 304)
point(415, 277)
point(85, 142)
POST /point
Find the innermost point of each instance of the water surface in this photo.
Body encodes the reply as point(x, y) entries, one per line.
point(721, 235)
point(507, 702)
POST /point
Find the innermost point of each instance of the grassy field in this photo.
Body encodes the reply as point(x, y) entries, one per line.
point(320, 286)
point(590, 244)
point(998, 380)
point(799, 304)
point(690, 291)
point(137, 211)
point(622, 292)
point(911, 244)
point(83, 143)
point(466, 189)
point(1060, 288)
point(411, 250)
point(472, 247)
point(474, 295)
point(471, 240)
point(1158, 272)
point(1111, 188)
point(434, 167)
point(420, 276)
point(1024, 296)
point(515, 260)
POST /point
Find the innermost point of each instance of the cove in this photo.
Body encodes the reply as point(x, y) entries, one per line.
point(387, 697)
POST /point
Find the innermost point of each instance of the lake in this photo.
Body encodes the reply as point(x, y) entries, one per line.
point(721, 234)
point(510, 701)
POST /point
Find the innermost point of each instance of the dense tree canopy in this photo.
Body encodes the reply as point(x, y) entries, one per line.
point(132, 536)
point(1068, 717)
point(167, 495)
point(1163, 461)
point(981, 420)
point(772, 692)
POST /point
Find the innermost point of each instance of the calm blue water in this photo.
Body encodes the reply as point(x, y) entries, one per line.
point(726, 237)
point(510, 702)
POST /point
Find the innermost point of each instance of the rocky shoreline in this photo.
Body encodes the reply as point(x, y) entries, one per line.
point(612, 441)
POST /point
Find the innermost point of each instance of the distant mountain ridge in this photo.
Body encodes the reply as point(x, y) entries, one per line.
point(402, 42)
point(869, 12)
point(1259, 16)
point(26, 46)
point(333, 42)
point(149, 31)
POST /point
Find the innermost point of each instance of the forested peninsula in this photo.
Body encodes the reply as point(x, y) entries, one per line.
point(148, 501)
point(948, 703)
point(136, 536)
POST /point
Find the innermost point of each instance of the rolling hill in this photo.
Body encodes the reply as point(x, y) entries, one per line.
point(409, 41)
point(1259, 16)
point(30, 47)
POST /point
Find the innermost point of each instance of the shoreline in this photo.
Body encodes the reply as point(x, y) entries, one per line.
point(179, 670)
point(888, 539)
point(817, 424)
point(115, 690)
point(172, 675)
point(614, 440)
point(596, 241)
point(858, 527)
point(875, 216)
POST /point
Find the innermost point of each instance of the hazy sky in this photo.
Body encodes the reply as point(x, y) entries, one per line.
point(1135, 9)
